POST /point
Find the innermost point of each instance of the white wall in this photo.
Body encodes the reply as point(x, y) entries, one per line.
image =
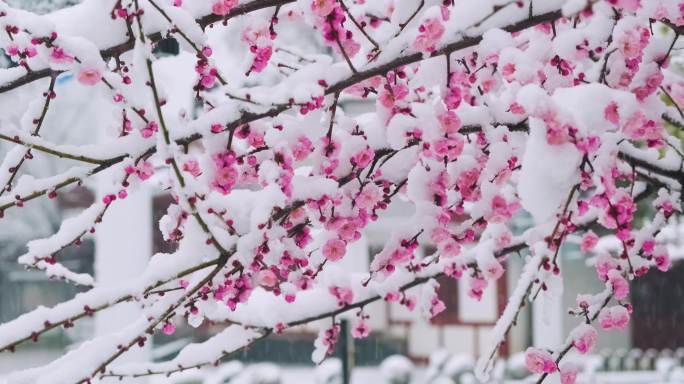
point(123, 246)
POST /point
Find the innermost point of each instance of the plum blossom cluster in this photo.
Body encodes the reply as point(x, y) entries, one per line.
point(430, 33)
point(275, 179)
point(260, 44)
point(330, 19)
point(223, 7)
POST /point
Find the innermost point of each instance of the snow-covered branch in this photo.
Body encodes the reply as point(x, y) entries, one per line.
point(18, 77)
point(281, 144)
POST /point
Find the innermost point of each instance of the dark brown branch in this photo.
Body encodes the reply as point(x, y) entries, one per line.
point(464, 43)
point(248, 117)
point(62, 184)
point(662, 61)
point(182, 368)
point(528, 289)
point(333, 110)
point(403, 25)
point(673, 101)
point(344, 54)
point(359, 26)
point(568, 346)
point(678, 29)
point(670, 120)
point(224, 255)
point(153, 324)
point(126, 46)
point(39, 123)
point(360, 76)
point(650, 167)
point(501, 254)
point(185, 37)
point(53, 151)
point(87, 311)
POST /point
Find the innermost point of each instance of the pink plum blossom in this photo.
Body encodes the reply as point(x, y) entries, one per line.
point(431, 32)
point(223, 7)
point(604, 264)
point(618, 283)
point(361, 330)
point(169, 329)
point(611, 113)
point(260, 44)
point(662, 260)
point(584, 338)
point(449, 248)
point(477, 286)
point(589, 241)
point(89, 76)
point(150, 129)
point(437, 306)
point(226, 173)
point(323, 8)
point(616, 317)
point(363, 158)
point(192, 167)
point(369, 197)
point(449, 122)
point(492, 269)
point(501, 209)
point(266, 278)
point(59, 56)
point(144, 170)
point(539, 361)
point(632, 43)
point(273, 176)
point(344, 296)
point(334, 249)
point(569, 372)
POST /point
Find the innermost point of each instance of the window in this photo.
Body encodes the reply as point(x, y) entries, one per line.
point(448, 293)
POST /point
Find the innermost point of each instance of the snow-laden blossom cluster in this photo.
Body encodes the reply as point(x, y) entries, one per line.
point(480, 113)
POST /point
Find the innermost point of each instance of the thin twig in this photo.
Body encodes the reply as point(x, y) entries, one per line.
point(662, 61)
point(53, 151)
point(36, 131)
point(679, 109)
point(359, 26)
point(344, 54)
point(119, 49)
point(408, 21)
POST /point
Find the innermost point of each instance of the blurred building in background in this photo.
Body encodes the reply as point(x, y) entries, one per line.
point(463, 328)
